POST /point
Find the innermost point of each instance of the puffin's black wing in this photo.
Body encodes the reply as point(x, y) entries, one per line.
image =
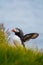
point(30, 36)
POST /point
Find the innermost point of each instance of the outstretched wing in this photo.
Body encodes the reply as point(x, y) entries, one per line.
point(30, 36)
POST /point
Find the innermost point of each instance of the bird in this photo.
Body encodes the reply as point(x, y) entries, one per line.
point(24, 37)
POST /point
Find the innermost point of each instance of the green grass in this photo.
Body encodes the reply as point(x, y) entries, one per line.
point(18, 56)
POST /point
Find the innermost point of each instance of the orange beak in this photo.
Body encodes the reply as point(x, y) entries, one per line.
point(13, 30)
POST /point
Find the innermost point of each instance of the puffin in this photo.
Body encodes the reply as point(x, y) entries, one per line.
point(24, 37)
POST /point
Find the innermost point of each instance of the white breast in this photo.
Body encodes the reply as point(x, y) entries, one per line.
point(17, 41)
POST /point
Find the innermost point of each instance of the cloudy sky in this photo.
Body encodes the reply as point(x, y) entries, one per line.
point(25, 14)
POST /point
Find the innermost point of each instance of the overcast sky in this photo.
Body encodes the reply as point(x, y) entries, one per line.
point(25, 14)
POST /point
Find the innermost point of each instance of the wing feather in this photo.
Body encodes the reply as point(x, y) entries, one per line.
point(30, 36)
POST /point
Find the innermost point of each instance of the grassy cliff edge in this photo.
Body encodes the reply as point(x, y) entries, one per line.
point(18, 56)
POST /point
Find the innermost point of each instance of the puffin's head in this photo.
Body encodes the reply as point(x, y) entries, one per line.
point(16, 30)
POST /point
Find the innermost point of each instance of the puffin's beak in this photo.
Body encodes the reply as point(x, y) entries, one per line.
point(13, 30)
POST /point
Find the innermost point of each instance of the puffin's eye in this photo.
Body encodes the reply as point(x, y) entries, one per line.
point(16, 30)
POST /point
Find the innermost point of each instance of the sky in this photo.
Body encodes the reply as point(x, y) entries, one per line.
point(25, 14)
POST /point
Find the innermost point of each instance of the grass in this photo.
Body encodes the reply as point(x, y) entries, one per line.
point(18, 56)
